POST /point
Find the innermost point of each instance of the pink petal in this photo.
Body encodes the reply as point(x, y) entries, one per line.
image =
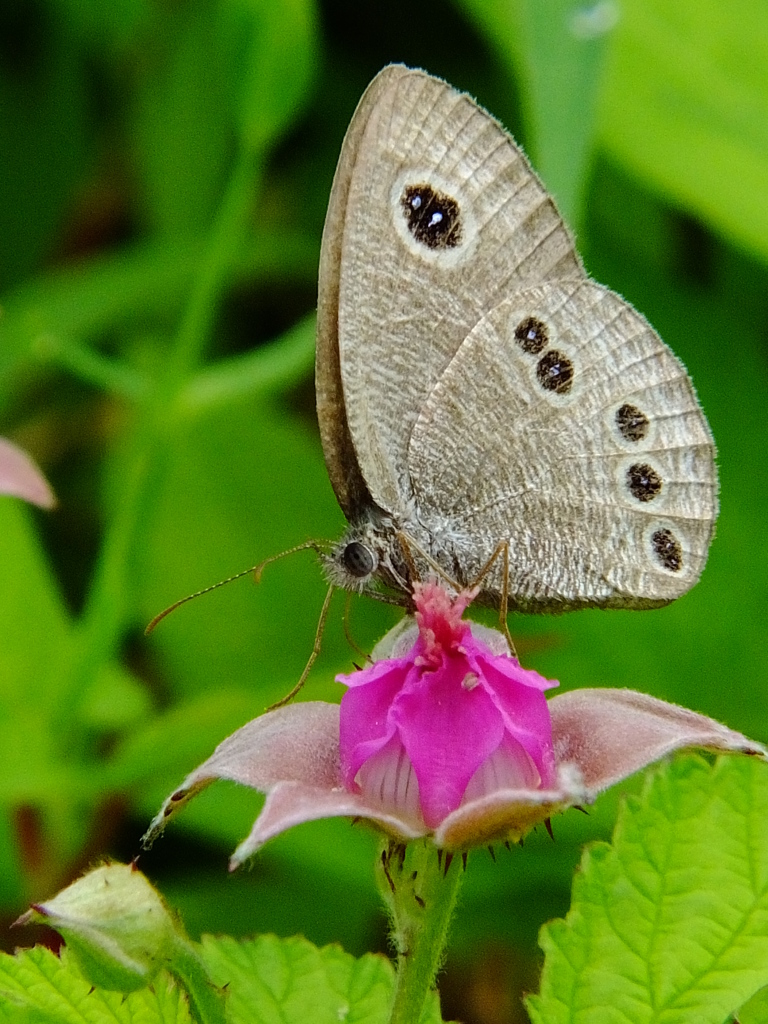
point(600, 737)
point(610, 734)
point(524, 710)
point(388, 780)
point(365, 725)
point(508, 767)
point(447, 731)
point(20, 477)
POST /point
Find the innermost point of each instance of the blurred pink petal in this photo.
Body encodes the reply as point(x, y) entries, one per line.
point(21, 478)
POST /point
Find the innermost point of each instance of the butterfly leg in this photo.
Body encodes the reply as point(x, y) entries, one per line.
point(504, 605)
point(407, 543)
point(405, 546)
point(313, 656)
point(347, 633)
point(501, 549)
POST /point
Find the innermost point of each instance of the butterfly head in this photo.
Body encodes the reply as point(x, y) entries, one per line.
point(368, 553)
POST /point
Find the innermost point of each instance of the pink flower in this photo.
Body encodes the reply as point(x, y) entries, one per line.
point(447, 721)
point(20, 477)
point(446, 736)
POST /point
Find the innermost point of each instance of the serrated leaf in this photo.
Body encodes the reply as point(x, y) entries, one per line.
point(756, 1010)
point(669, 923)
point(290, 981)
point(273, 980)
point(36, 985)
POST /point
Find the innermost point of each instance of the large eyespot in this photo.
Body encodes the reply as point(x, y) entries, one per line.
point(358, 559)
point(433, 218)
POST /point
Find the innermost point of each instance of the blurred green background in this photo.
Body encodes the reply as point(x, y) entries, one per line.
point(164, 172)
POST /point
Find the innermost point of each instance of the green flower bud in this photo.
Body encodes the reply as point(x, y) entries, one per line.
point(115, 924)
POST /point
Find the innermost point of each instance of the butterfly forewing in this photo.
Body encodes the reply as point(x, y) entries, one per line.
point(435, 216)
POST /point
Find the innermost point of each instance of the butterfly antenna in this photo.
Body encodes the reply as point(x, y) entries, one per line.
point(313, 656)
point(256, 570)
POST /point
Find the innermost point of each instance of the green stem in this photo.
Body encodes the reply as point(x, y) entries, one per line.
point(104, 618)
point(420, 889)
point(226, 238)
point(206, 1002)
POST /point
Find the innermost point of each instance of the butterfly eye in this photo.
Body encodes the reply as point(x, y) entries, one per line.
point(358, 559)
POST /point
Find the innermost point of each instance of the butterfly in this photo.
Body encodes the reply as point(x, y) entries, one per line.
point(486, 409)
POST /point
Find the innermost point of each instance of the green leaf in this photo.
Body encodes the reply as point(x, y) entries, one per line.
point(670, 922)
point(273, 980)
point(45, 134)
point(47, 318)
point(268, 981)
point(276, 40)
point(562, 50)
point(686, 108)
point(756, 1010)
point(35, 985)
point(557, 48)
point(183, 137)
point(34, 626)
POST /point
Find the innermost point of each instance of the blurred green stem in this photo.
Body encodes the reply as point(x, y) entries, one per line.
point(226, 237)
point(420, 886)
point(104, 618)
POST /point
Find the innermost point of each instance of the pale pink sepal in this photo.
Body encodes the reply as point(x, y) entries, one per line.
point(292, 754)
point(611, 734)
point(291, 803)
point(20, 477)
point(600, 737)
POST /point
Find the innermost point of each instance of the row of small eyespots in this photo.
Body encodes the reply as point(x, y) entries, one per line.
point(554, 372)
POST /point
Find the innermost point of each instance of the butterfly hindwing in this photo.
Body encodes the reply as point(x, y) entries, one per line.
point(565, 426)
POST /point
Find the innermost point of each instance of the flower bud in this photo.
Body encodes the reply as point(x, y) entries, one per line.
point(115, 924)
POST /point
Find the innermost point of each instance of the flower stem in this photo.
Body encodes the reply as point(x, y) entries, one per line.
point(420, 888)
point(206, 1002)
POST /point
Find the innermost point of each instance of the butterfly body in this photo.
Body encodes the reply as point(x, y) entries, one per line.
point(476, 389)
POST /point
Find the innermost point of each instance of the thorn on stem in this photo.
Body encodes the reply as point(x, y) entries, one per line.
point(385, 868)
